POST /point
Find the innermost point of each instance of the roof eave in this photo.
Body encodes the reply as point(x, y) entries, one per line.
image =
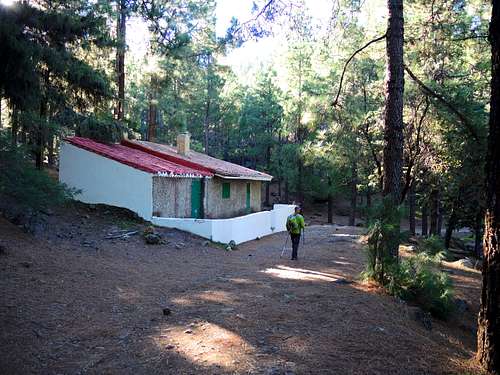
point(253, 178)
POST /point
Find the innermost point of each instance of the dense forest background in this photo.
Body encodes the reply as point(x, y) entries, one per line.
point(325, 113)
point(287, 115)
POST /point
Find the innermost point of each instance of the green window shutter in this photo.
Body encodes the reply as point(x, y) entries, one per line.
point(226, 190)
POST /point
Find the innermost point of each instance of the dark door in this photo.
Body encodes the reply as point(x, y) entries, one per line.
point(249, 209)
point(196, 199)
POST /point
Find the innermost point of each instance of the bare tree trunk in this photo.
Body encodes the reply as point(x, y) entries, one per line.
point(425, 215)
point(478, 232)
point(440, 219)
point(287, 192)
point(152, 112)
point(330, 201)
point(121, 23)
point(300, 183)
point(450, 227)
point(1, 123)
point(15, 125)
point(50, 151)
point(411, 204)
point(354, 193)
point(434, 212)
point(488, 333)
point(393, 121)
point(368, 198)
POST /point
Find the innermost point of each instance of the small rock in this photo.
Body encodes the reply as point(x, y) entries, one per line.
point(152, 239)
point(342, 282)
point(478, 265)
point(170, 347)
point(180, 245)
point(422, 317)
point(463, 263)
point(188, 331)
point(166, 311)
point(274, 371)
point(411, 248)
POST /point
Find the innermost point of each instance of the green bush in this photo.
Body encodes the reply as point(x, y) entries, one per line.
point(22, 185)
point(432, 245)
point(418, 279)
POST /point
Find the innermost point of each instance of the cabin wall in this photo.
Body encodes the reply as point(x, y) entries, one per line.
point(105, 181)
point(218, 208)
point(172, 197)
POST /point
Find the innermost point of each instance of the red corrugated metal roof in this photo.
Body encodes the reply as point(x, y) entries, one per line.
point(198, 160)
point(145, 161)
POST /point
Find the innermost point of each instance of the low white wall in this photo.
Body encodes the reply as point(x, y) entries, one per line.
point(238, 229)
point(102, 180)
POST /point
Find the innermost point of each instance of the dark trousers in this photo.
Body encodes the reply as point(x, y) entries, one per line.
point(295, 244)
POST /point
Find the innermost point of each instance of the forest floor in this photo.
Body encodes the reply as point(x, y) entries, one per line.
point(73, 302)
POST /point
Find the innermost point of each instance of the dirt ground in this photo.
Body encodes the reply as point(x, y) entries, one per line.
point(73, 302)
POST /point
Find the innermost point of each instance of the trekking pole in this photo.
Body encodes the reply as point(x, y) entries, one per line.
point(304, 242)
point(284, 246)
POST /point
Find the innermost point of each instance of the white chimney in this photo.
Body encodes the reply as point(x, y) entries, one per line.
point(183, 140)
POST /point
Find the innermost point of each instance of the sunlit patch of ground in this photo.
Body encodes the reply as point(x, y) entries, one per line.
point(286, 272)
point(208, 344)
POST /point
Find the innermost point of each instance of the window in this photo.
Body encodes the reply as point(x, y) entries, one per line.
point(226, 190)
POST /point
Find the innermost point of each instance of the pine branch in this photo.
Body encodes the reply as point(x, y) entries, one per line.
point(349, 60)
point(428, 91)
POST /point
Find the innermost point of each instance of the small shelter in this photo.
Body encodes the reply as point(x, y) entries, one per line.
point(156, 180)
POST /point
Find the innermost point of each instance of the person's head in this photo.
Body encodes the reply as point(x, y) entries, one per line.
point(297, 209)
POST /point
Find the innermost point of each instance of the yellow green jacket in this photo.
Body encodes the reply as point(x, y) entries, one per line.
point(295, 223)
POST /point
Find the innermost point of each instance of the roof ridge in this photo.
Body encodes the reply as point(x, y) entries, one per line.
point(164, 156)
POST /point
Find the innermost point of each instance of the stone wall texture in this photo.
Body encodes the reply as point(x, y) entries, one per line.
point(172, 198)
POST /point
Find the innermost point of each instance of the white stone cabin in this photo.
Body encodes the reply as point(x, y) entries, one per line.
point(155, 180)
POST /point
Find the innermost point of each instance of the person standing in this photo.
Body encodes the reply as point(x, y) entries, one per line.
point(294, 225)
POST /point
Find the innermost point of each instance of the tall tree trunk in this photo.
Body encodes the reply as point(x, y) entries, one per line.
point(50, 151)
point(425, 215)
point(434, 212)
point(354, 193)
point(287, 191)
point(411, 204)
point(440, 218)
point(330, 200)
point(152, 112)
point(300, 183)
point(1, 123)
point(450, 227)
point(268, 184)
point(121, 23)
point(393, 121)
point(15, 124)
point(40, 134)
point(478, 232)
point(488, 333)
point(279, 190)
point(368, 198)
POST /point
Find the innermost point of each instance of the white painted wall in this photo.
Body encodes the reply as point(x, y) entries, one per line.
point(106, 181)
point(238, 229)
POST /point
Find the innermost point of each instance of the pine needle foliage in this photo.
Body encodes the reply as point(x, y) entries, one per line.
point(24, 186)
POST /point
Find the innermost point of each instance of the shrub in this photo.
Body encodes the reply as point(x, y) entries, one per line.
point(22, 185)
point(417, 279)
point(432, 245)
